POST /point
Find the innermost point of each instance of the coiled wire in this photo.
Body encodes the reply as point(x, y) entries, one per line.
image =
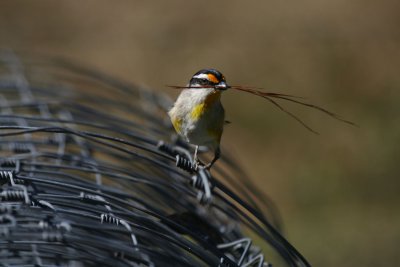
point(92, 174)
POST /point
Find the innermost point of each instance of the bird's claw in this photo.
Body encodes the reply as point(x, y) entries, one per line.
point(208, 166)
point(198, 162)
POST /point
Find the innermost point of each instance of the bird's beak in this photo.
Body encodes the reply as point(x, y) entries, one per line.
point(222, 86)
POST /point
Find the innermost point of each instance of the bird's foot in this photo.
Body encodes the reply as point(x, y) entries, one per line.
point(208, 166)
point(198, 162)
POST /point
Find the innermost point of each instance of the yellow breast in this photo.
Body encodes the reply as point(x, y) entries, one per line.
point(177, 123)
point(199, 109)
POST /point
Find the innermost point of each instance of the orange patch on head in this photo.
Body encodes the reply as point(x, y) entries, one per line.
point(212, 78)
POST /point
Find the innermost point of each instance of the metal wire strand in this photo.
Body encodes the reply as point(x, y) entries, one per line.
point(91, 174)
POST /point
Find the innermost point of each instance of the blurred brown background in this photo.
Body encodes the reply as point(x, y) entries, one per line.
point(338, 192)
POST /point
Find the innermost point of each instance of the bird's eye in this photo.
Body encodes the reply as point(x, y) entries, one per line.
point(201, 81)
point(204, 81)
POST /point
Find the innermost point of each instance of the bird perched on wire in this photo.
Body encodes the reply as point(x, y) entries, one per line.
point(198, 115)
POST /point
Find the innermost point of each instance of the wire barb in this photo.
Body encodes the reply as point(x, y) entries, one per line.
point(185, 164)
point(13, 195)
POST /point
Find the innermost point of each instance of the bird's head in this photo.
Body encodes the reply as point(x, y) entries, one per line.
point(208, 78)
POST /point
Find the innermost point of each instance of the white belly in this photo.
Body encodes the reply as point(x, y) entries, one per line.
point(204, 129)
point(207, 130)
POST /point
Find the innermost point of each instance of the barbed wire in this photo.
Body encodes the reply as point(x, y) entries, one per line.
point(91, 174)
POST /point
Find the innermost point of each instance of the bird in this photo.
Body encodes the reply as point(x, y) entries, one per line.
point(198, 115)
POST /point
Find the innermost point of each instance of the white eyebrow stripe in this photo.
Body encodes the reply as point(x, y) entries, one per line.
point(201, 76)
